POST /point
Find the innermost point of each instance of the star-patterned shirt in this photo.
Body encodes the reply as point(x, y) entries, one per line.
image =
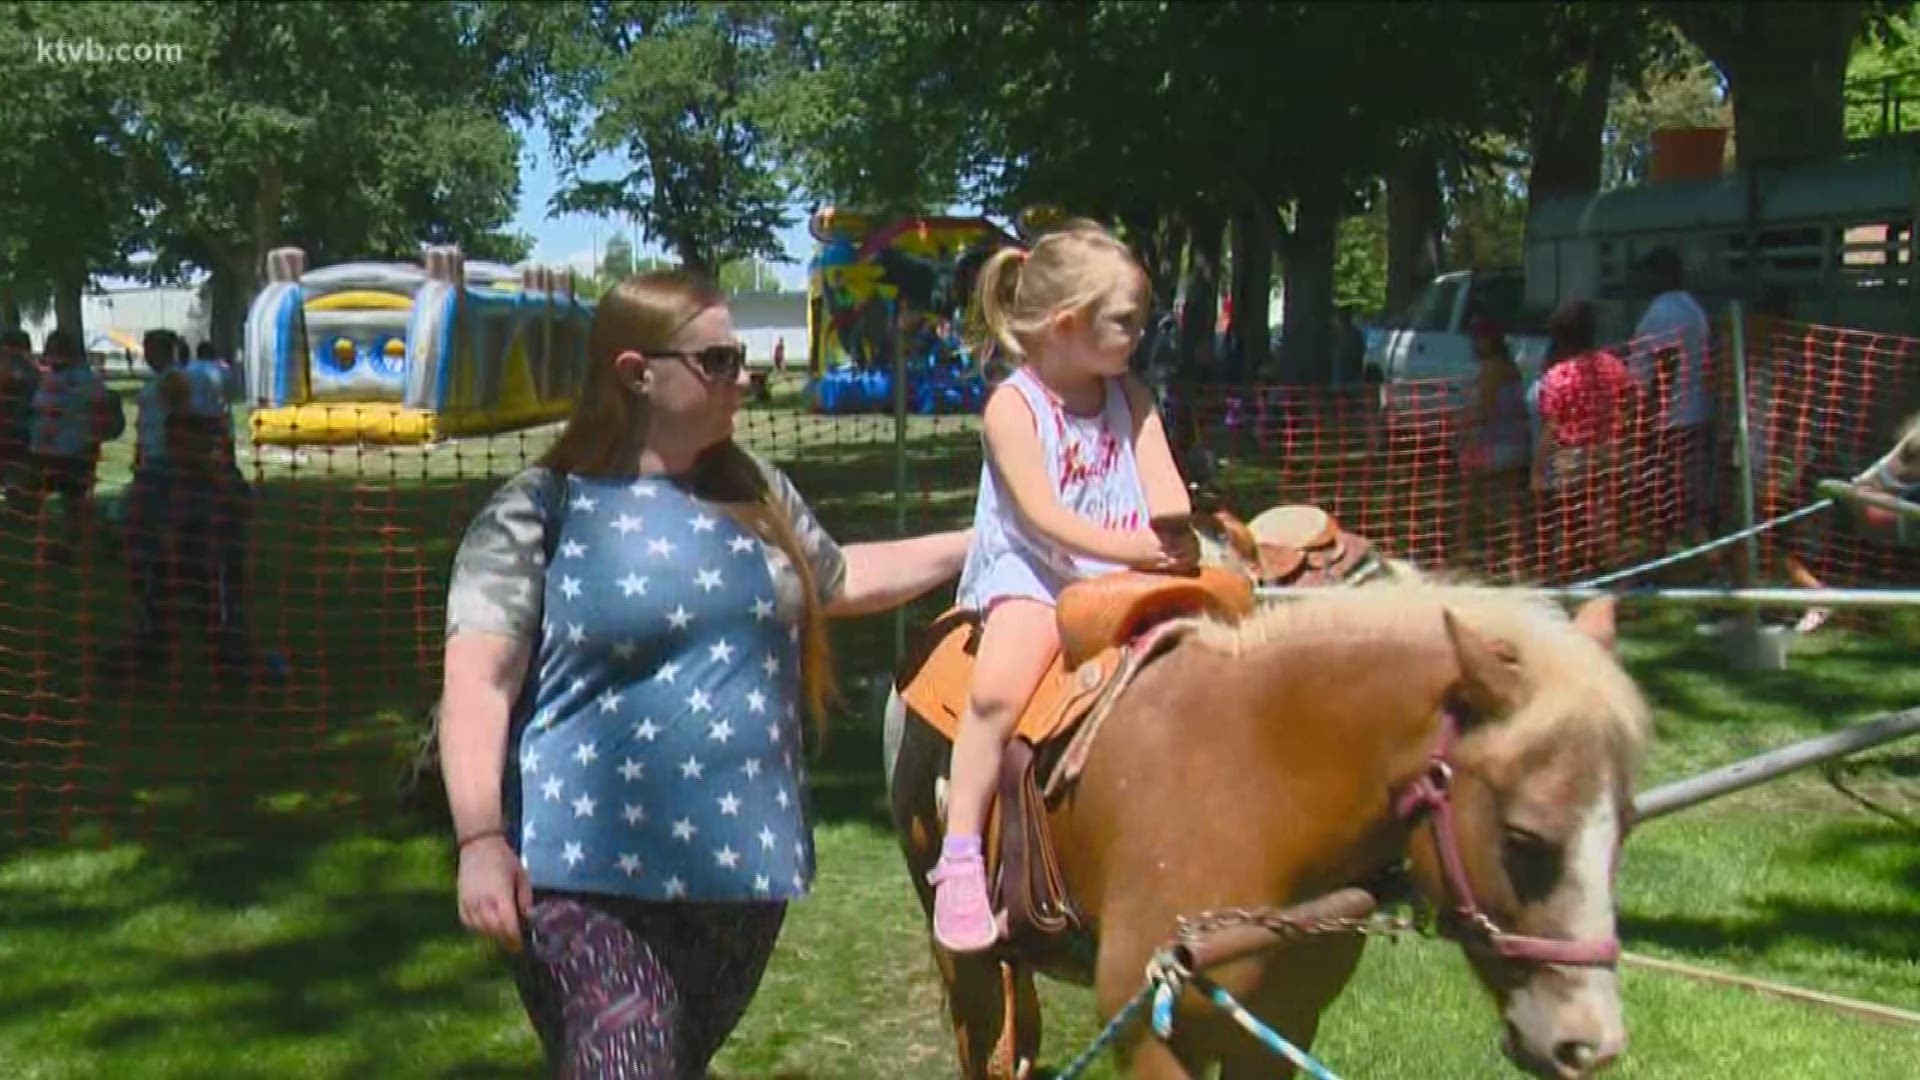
point(655, 750)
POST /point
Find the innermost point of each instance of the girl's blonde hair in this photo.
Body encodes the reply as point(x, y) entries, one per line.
point(608, 427)
point(1074, 267)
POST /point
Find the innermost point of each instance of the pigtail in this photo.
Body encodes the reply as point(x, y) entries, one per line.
point(993, 305)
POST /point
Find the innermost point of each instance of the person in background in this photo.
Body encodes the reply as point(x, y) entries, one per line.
point(73, 414)
point(19, 378)
point(1582, 404)
point(1496, 452)
point(780, 355)
point(1670, 359)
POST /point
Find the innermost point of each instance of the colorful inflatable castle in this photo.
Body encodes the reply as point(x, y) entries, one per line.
point(890, 295)
point(397, 353)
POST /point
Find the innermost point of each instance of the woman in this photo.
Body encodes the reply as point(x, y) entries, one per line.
point(1581, 403)
point(1496, 452)
point(634, 626)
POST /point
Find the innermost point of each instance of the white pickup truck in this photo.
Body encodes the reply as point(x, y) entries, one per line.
point(1430, 340)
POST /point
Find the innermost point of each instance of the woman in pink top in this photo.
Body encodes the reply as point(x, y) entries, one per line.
point(1581, 402)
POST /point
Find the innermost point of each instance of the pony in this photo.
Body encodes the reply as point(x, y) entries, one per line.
point(1483, 743)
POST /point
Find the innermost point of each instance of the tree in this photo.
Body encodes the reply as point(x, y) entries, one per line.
point(357, 132)
point(1785, 66)
point(1883, 78)
point(677, 91)
point(748, 275)
point(1680, 89)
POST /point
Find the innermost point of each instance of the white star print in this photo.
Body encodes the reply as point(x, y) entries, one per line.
point(584, 504)
point(661, 547)
point(756, 701)
point(683, 830)
point(530, 762)
point(771, 665)
point(629, 864)
point(583, 806)
point(761, 884)
point(544, 718)
point(526, 835)
point(577, 685)
point(729, 804)
point(698, 701)
point(573, 549)
point(720, 651)
point(799, 849)
point(766, 838)
point(762, 610)
point(708, 580)
point(572, 854)
point(751, 768)
point(667, 672)
point(727, 857)
point(551, 789)
point(703, 523)
point(571, 587)
point(720, 730)
point(691, 769)
point(782, 798)
point(740, 545)
point(625, 650)
point(643, 489)
point(627, 523)
point(609, 702)
point(577, 635)
point(585, 754)
point(676, 889)
point(679, 617)
point(773, 732)
point(633, 813)
point(798, 885)
point(646, 729)
point(633, 585)
point(630, 770)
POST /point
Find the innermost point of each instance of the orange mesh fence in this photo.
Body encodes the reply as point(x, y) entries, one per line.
point(307, 707)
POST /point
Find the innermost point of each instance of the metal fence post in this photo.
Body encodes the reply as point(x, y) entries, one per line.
point(1742, 414)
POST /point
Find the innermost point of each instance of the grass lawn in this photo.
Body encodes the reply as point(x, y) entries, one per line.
point(207, 883)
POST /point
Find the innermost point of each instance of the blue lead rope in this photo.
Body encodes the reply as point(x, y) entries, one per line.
point(1164, 981)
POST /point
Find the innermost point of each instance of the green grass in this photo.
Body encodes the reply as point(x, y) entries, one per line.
point(206, 883)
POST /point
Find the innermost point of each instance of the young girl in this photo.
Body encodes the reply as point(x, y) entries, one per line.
point(1077, 469)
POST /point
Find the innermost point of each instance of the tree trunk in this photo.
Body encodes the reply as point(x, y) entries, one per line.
point(1253, 238)
point(227, 312)
point(10, 318)
point(69, 292)
point(1413, 228)
point(1308, 345)
point(267, 200)
point(1165, 269)
point(1572, 115)
point(1202, 305)
point(1786, 67)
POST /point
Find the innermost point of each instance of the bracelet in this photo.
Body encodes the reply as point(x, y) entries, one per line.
point(482, 835)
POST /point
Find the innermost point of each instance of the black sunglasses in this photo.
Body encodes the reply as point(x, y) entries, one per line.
point(721, 363)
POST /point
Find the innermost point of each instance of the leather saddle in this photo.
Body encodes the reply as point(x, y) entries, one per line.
point(1110, 628)
point(1301, 546)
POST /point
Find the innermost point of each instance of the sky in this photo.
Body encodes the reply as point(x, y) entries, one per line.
point(574, 239)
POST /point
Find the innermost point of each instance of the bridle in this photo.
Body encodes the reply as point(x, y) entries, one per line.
point(1431, 797)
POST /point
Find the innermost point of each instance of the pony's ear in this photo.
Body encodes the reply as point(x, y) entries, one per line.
point(1489, 667)
point(1595, 619)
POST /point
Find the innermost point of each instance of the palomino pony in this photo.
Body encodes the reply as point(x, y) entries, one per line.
point(1485, 739)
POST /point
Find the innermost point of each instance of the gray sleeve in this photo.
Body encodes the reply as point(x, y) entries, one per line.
point(822, 551)
point(499, 572)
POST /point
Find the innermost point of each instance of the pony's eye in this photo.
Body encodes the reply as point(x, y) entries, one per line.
point(1532, 863)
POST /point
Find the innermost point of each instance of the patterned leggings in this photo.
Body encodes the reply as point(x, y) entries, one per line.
point(629, 990)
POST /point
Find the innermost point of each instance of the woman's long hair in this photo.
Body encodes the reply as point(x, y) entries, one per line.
point(604, 436)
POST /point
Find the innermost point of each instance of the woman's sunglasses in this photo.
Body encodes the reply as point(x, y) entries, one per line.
point(720, 363)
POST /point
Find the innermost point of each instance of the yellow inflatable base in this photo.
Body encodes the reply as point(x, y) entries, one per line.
point(388, 425)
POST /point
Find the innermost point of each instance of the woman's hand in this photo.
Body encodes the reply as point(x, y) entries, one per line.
point(495, 892)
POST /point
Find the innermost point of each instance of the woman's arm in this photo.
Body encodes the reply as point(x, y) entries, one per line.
point(484, 672)
point(885, 574)
point(1014, 451)
point(1166, 489)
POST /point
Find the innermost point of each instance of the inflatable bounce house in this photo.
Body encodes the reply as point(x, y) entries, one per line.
point(397, 353)
point(888, 295)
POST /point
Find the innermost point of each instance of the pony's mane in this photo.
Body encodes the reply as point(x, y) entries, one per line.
point(1572, 678)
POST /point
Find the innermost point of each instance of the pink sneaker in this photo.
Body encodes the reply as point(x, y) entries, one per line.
point(962, 915)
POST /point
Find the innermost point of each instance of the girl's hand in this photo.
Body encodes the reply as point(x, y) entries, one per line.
point(495, 892)
point(1164, 552)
